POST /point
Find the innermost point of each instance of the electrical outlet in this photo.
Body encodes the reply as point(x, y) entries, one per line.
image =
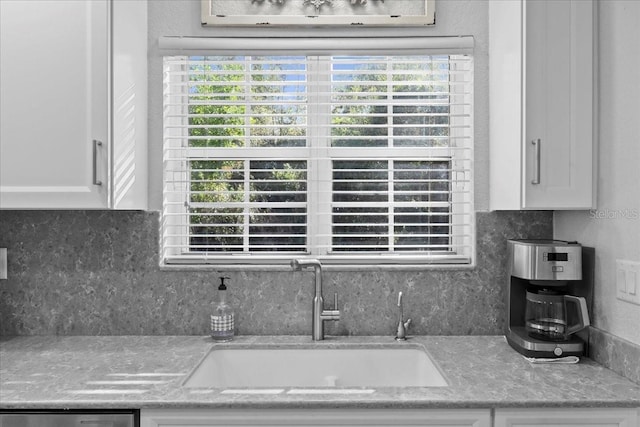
point(628, 281)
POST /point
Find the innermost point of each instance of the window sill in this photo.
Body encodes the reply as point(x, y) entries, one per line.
point(325, 267)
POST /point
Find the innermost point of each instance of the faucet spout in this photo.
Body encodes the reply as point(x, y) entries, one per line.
point(319, 313)
point(401, 332)
point(302, 263)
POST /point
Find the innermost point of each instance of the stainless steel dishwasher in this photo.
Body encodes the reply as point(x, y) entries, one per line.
point(69, 418)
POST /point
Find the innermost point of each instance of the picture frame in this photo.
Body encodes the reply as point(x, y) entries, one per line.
point(322, 13)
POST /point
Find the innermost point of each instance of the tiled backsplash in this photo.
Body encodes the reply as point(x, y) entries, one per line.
point(615, 353)
point(97, 273)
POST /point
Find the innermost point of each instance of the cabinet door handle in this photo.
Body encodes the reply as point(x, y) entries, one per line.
point(536, 161)
point(96, 144)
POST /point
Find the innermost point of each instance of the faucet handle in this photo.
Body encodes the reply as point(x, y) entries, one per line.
point(332, 314)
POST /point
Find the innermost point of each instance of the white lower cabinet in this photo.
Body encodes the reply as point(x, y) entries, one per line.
point(307, 417)
point(575, 417)
point(539, 417)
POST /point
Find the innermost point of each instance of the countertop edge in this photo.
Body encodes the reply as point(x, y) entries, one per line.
point(532, 404)
point(483, 372)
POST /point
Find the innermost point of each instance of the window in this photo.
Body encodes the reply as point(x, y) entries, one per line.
point(351, 159)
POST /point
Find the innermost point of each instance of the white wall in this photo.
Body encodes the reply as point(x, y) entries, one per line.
point(453, 17)
point(614, 227)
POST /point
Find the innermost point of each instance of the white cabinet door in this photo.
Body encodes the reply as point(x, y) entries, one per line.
point(558, 125)
point(54, 104)
point(541, 104)
point(577, 417)
point(329, 417)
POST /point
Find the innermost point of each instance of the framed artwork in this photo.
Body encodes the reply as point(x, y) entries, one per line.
point(318, 12)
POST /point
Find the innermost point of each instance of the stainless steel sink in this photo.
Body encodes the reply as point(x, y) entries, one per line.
point(316, 367)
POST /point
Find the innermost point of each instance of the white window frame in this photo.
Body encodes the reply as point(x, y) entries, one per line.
point(461, 206)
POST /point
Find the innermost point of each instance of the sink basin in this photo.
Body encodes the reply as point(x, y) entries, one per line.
point(316, 367)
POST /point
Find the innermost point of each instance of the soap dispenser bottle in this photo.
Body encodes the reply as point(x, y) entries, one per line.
point(222, 319)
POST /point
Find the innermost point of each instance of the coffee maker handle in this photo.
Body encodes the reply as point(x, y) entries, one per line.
point(583, 314)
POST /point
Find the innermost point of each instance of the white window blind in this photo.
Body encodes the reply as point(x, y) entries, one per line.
point(353, 159)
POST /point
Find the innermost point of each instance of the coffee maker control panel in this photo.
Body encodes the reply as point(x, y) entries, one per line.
point(545, 259)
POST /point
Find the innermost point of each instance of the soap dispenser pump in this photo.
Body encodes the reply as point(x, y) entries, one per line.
point(222, 320)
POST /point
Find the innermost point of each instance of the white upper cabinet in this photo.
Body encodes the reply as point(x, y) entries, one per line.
point(73, 105)
point(542, 115)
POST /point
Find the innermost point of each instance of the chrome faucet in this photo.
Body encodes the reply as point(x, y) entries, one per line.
point(401, 332)
point(319, 313)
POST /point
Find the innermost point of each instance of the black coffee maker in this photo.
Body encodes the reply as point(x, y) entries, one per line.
point(549, 297)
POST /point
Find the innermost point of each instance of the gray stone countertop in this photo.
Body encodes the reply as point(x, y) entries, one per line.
point(147, 372)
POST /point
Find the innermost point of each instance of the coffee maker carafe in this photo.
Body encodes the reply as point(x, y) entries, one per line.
point(547, 298)
point(546, 315)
